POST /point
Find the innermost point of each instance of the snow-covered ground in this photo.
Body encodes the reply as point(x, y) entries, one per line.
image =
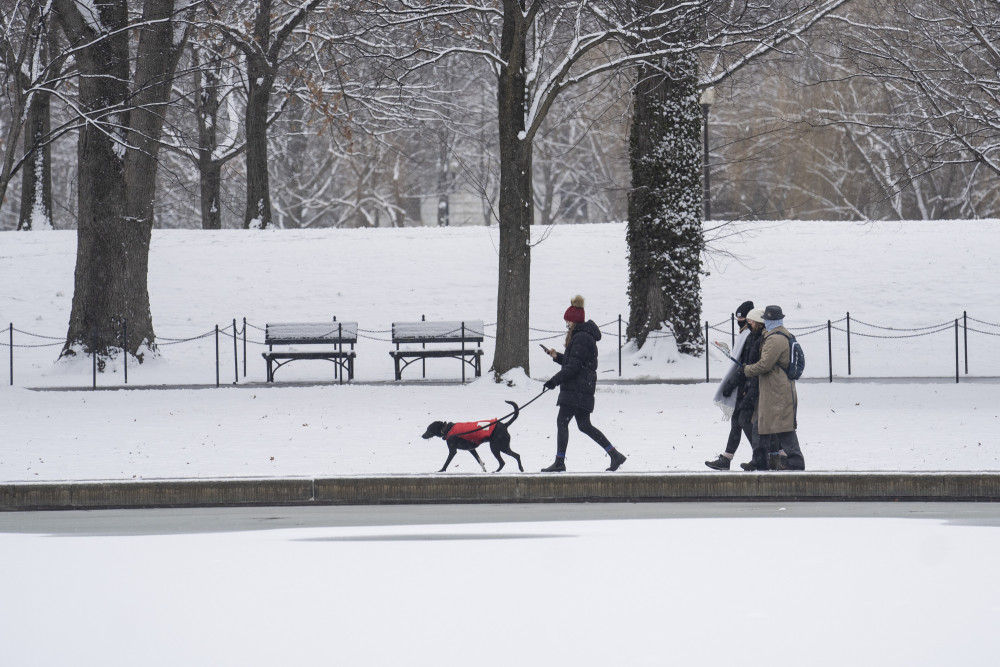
point(906, 276)
point(767, 586)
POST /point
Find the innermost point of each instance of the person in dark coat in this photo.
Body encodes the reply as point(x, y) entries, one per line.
point(577, 382)
point(741, 421)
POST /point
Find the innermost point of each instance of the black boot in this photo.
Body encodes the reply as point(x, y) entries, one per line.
point(721, 463)
point(617, 459)
point(558, 466)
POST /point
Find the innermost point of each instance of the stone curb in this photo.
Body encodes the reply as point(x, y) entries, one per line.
point(523, 488)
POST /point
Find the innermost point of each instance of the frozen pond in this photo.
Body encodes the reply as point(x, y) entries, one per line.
point(638, 584)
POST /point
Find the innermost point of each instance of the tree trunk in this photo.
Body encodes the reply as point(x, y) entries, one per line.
point(260, 79)
point(116, 182)
point(36, 172)
point(515, 207)
point(154, 73)
point(444, 185)
point(664, 235)
point(258, 209)
point(209, 168)
point(107, 244)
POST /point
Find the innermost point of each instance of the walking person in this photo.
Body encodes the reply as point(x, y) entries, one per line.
point(740, 410)
point(758, 461)
point(778, 403)
point(577, 382)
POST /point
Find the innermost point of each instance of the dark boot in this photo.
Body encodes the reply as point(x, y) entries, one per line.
point(749, 467)
point(776, 461)
point(558, 466)
point(617, 459)
point(721, 463)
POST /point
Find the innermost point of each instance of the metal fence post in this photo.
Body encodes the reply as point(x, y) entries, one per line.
point(619, 344)
point(244, 348)
point(11, 331)
point(965, 333)
point(338, 370)
point(707, 379)
point(217, 355)
point(93, 351)
point(848, 343)
point(732, 330)
point(236, 355)
point(829, 346)
point(125, 348)
point(956, 351)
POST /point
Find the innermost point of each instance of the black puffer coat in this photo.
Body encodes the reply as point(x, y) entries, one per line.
point(750, 391)
point(577, 381)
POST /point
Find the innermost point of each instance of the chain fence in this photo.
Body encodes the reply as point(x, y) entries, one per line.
point(850, 328)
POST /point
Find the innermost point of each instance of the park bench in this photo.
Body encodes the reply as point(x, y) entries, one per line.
point(457, 336)
point(332, 335)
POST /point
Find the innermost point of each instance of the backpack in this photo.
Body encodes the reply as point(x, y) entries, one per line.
point(796, 358)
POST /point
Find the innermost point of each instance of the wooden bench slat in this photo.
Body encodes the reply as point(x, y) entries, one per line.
point(310, 333)
point(428, 332)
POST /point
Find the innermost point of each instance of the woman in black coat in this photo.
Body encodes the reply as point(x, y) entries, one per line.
point(577, 382)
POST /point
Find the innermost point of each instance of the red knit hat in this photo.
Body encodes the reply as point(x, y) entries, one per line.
point(575, 312)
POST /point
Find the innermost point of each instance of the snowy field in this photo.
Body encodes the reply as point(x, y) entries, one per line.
point(910, 277)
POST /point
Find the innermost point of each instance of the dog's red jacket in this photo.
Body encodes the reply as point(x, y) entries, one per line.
point(476, 432)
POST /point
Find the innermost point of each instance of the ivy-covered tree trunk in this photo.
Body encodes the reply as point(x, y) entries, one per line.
point(665, 238)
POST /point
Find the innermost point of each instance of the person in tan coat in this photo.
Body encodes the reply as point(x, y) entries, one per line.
point(777, 405)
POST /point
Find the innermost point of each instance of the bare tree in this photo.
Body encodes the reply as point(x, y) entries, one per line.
point(261, 30)
point(31, 69)
point(121, 111)
point(936, 67)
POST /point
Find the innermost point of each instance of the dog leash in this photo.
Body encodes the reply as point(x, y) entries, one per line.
point(488, 424)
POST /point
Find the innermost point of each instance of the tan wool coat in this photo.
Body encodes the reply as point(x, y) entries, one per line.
point(778, 400)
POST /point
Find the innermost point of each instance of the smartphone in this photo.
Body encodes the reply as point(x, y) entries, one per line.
point(544, 348)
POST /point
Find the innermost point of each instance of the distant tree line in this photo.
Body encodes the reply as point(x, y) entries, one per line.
point(122, 115)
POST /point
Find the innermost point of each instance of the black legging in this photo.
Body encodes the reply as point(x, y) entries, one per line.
point(566, 413)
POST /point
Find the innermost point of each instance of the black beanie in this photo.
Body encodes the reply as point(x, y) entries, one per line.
point(744, 308)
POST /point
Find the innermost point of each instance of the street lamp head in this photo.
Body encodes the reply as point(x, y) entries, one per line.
point(708, 96)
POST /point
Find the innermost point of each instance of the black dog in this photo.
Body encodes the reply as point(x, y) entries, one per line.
point(470, 435)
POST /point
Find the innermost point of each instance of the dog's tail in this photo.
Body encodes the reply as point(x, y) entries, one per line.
point(517, 411)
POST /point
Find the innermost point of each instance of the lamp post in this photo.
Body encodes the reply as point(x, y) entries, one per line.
point(707, 98)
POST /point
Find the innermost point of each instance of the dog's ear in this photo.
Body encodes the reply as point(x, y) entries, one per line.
point(434, 429)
